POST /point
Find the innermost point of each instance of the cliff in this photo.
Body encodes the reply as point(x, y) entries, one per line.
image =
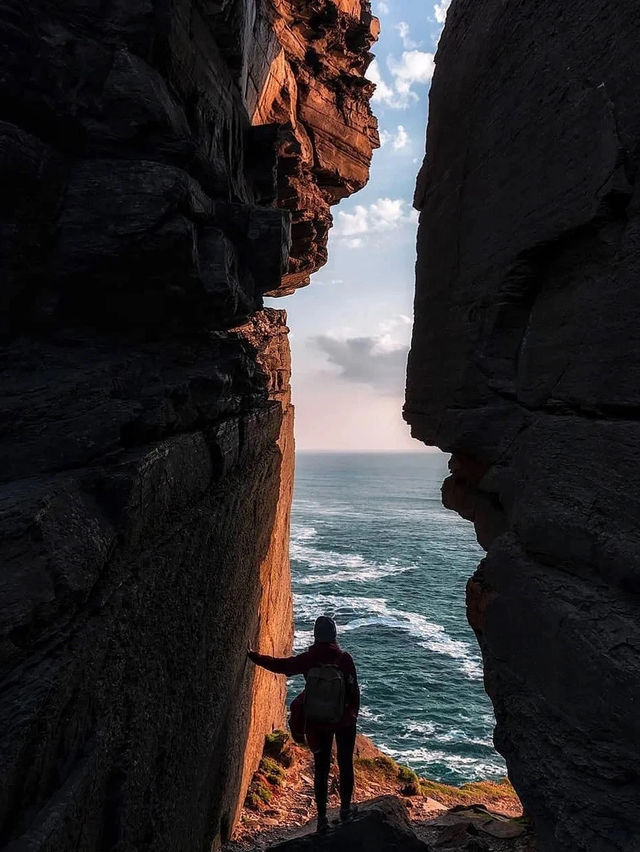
point(524, 364)
point(316, 91)
point(146, 436)
point(477, 817)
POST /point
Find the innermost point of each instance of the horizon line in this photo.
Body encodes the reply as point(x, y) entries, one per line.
point(424, 449)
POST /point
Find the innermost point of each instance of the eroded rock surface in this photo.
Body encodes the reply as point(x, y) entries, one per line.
point(316, 90)
point(146, 439)
point(380, 825)
point(525, 365)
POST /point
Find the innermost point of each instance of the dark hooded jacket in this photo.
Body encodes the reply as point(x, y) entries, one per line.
point(320, 653)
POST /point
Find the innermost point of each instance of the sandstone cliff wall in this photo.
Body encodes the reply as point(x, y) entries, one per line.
point(146, 438)
point(524, 365)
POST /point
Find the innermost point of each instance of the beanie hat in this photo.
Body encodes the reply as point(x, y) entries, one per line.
point(324, 629)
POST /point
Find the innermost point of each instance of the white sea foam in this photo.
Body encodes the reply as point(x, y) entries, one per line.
point(354, 574)
point(302, 639)
point(352, 567)
point(469, 768)
point(369, 715)
point(357, 613)
point(302, 533)
point(440, 734)
point(420, 728)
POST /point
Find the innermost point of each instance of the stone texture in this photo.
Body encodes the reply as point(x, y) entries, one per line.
point(381, 825)
point(146, 427)
point(524, 365)
point(315, 89)
point(144, 520)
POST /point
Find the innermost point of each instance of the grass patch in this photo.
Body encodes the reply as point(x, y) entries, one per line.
point(269, 767)
point(382, 765)
point(477, 792)
point(497, 795)
point(406, 774)
point(252, 801)
point(490, 791)
point(277, 746)
point(263, 793)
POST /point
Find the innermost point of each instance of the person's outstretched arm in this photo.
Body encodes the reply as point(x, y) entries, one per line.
point(299, 664)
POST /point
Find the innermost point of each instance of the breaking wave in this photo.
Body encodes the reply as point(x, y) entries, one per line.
point(361, 613)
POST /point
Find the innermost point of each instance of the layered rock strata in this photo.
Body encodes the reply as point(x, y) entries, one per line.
point(524, 365)
point(316, 91)
point(146, 436)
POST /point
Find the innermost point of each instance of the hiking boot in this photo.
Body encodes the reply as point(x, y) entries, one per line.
point(348, 813)
point(323, 824)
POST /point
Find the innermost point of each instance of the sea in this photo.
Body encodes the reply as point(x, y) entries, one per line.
point(373, 547)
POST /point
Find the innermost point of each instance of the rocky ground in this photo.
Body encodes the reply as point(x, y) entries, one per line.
point(479, 817)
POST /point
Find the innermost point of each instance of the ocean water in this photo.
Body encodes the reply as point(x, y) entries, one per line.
point(373, 547)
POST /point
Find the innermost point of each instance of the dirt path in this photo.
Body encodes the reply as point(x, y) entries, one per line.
point(280, 802)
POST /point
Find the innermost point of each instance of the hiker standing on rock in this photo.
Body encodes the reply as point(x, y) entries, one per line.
point(330, 702)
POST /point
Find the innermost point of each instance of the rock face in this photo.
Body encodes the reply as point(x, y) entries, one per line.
point(525, 365)
point(381, 825)
point(316, 91)
point(146, 432)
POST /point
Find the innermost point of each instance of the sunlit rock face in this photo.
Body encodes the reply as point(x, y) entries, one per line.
point(525, 365)
point(146, 442)
point(316, 91)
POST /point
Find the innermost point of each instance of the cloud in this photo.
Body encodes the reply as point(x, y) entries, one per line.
point(378, 360)
point(383, 93)
point(382, 8)
point(364, 360)
point(398, 140)
point(383, 215)
point(440, 11)
point(414, 67)
point(352, 223)
point(403, 29)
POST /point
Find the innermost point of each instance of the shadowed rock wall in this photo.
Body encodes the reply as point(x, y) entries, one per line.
point(146, 429)
point(525, 365)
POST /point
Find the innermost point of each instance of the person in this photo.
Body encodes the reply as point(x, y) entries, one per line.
point(325, 654)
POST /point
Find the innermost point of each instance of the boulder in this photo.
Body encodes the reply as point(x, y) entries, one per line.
point(381, 825)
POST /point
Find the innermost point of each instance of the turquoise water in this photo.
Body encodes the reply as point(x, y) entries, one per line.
point(373, 547)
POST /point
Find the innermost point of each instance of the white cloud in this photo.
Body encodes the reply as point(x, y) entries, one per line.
point(440, 11)
point(378, 360)
point(383, 215)
point(382, 8)
point(353, 223)
point(402, 139)
point(367, 361)
point(413, 67)
point(407, 41)
point(398, 139)
point(383, 93)
point(394, 333)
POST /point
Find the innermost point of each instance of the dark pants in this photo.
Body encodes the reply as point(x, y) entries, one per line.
point(345, 743)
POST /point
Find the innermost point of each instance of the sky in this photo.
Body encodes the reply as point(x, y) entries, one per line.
point(350, 329)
